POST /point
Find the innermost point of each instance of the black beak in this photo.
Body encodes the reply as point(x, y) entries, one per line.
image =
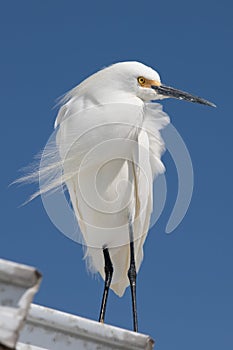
point(168, 91)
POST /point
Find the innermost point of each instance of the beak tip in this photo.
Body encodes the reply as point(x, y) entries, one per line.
point(211, 104)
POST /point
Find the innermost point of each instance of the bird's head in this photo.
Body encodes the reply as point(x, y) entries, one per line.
point(137, 78)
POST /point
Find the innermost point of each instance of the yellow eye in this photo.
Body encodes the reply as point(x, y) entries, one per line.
point(141, 80)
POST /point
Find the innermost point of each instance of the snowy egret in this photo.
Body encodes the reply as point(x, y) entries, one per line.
point(110, 151)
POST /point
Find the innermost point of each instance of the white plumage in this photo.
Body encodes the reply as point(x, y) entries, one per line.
point(106, 128)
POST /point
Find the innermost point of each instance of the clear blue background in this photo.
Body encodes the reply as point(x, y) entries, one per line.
point(185, 285)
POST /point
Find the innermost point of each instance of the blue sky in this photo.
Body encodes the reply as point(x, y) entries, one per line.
point(185, 285)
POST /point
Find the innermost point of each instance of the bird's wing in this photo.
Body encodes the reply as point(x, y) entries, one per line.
point(98, 227)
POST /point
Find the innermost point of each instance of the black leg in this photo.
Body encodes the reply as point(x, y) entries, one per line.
point(108, 268)
point(132, 274)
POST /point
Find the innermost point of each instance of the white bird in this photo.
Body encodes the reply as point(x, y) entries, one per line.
point(110, 147)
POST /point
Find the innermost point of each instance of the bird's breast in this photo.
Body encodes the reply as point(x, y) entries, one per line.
point(97, 134)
